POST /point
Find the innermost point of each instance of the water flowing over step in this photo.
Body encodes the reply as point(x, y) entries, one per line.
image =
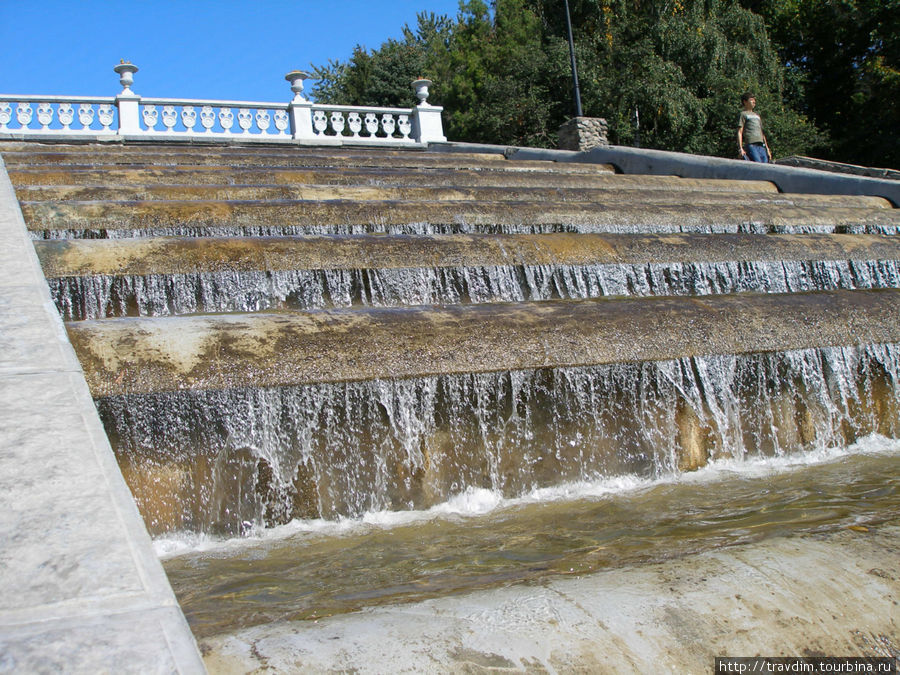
point(226, 461)
point(95, 278)
point(285, 217)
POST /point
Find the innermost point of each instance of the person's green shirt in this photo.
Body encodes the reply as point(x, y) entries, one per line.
point(751, 123)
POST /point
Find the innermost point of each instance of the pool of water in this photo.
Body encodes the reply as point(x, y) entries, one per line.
point(313, 569)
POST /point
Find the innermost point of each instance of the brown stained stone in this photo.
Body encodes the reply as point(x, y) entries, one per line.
point(129, 356)
point(663, 214)
point(184, 255)
point(359, 176)
point(693, 439)
point(612, 192)
point(171, 155)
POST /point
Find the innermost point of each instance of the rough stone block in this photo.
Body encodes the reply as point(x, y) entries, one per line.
point(583, 133)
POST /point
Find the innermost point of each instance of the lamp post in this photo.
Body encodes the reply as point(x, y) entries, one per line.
point(578, 112)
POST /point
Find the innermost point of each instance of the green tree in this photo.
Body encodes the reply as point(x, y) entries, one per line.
point(502, 72)
point(843, 61)
point(383, 77)
point(678, 67)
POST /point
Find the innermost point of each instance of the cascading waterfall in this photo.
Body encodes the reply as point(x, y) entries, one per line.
point(460, 227)
point(93, 297)
point(222, 461)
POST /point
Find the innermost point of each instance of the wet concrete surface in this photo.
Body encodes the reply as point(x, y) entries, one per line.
point(142, 355)
point(832, 594)
point(180, 255)
point(647, 213)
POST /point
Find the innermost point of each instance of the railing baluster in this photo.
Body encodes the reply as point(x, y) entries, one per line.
point(170, 117)
point(150, 115)
point(226, 119)
point(262, 121)
point(282, 122)
point(24, 114)
point(372, 124)
point(5, 116)
point(86, 115)
point(105, 115)
point(320, 122)
point(44, 115)
point(66, 115)
point(207, 118)
point(245, 120)
point(355, 122)
point(189, 118)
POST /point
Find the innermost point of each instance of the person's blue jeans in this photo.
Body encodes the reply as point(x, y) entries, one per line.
point(757, 153)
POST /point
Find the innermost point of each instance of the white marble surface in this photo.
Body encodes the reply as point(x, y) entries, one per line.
point(81, 590)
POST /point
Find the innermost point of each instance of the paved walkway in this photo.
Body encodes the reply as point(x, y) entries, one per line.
point(81, 589)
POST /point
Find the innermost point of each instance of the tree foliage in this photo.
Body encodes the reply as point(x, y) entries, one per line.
point(665, 74)
point(843, 60)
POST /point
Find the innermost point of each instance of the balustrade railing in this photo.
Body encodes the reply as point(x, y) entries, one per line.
point(299, 121)
point(65, 114)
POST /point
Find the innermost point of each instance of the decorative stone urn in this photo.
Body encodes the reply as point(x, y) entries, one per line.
point(126, 73)
point(421, 86)
point(296, 77)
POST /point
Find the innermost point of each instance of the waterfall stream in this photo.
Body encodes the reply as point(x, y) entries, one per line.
point(92, 297)
point(225, 461)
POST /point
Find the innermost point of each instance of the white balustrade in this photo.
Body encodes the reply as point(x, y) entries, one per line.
point(129, 115)
point(32, 115)
point(354, 123)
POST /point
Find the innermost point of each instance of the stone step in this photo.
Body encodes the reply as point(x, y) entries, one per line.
point(154, 355)
point(21, 149)
point(111, 176)
point(430, 194)
point(194, 156)
point(201, 255)
point(237, 218)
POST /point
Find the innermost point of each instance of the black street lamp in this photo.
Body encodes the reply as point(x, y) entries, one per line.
point(578, 112)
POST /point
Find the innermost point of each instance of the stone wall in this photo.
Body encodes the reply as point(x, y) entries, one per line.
point(583, 133)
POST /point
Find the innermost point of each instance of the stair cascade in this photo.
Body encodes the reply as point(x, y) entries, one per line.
point(190, 274)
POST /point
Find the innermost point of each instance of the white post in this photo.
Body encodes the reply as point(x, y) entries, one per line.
point(299, 109)
point(127, 101)
point(427, 124)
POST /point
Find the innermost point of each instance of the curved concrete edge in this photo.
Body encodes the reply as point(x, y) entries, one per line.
point(812, 595)
point(81, 588)
point(659, 162)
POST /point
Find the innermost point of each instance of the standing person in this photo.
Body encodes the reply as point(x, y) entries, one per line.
point(750, 136)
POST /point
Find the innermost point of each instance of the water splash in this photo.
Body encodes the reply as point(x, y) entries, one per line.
point(94, 297)
point(226, 461)
point(460, 226)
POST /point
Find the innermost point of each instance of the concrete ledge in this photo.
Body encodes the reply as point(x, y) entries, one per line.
point(81, 588)
point(838, 167)
point(658, 162)
point(213, 352)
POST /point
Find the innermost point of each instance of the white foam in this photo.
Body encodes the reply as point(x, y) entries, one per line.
point(477, 502)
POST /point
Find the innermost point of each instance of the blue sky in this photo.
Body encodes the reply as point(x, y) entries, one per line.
point(190, 49)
